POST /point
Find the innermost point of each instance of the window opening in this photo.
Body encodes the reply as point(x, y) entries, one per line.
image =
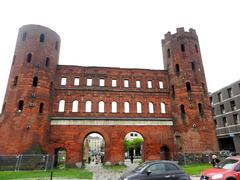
point(88, 106)
point(41, 108)
point(163, 108)
point(225, 121)
point(200, 109)
point(177, 69)
point(219, 95)
point(126, 107)
point(61, 106)
point(139, 107)
point(188, 86)
point(236, 118)
point(114, 107)
point(101, 82)
point(150, 107)
point(138, 84)
point(114, 83)
point(15, 81)
point(35, 81)
point(63, 81)
point(193, 66)
point(89, 82)
point(196, 48)
point(126, 83)
point(29, 57)
point(24, 36)
point(76, 81)
point(182, 110)
point(160, 84)
point(42, 38)
point(233, 105)
point(182, 48)
point(20, 106)
point(222, 109)
point(47, 62)
point(229, 91)
point(101, 107)
point(149, 84)
point(75, 106)
point(168, 53)
point(173, 91)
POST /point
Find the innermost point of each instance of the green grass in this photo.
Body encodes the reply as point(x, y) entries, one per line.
point(115, 167)
point(195, 169)
point(66, 173)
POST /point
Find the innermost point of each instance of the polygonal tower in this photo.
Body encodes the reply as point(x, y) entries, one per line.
point(29, 91)
point(190, 106)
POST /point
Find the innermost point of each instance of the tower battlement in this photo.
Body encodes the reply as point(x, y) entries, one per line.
point(180, 32)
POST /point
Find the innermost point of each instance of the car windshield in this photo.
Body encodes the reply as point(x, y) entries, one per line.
point(138, 168)
point(226, 164)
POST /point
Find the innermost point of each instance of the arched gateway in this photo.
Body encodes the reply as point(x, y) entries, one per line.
point(57, 106)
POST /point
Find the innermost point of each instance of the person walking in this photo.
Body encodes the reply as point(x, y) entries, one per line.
point(215, 160)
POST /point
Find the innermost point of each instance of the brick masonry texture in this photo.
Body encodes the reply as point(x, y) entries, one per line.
point(34, 92)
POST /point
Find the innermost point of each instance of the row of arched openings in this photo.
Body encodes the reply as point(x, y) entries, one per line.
point(29, 59)
point(114, 107)
point(21, 106)
point(34, 81)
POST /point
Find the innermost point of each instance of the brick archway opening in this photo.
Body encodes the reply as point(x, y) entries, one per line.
point(133, 147)
point(93, 148)
point(60, 155)
point(165, 153)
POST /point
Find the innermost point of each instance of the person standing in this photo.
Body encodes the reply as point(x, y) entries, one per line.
point(215, 160)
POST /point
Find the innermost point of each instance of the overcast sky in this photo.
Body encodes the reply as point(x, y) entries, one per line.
point(127, 33)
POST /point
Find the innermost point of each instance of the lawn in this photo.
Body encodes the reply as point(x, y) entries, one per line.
point(195, 169)
point(66, 173)
point(115, 167)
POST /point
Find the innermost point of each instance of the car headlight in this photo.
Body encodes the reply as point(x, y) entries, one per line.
point(217, 176)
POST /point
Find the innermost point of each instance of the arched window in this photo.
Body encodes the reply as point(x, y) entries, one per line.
point(182, 110)
point(150, 107)
point(182, 47)
point(196, 48)
point(47, 62)
point(177, 69)
point(163, 108)
point(101, 107)
point(29, 58)
point(24, 36)
point(61, 106)
point(41, 108)
point(56, 46)
point(20, 106)
point(126, 107)
point(200, 109)
point(114, 107)
point(88, 106)
point(168, 53)
point(35, 81)
point(42, 38)
point(15, 81)
point(188, 86)
point(3, 107)
point(75, 106)
point(139, 107)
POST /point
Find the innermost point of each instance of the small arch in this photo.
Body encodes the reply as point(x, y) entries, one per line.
point(200, 109)
point(29, 58)
point(177, 69)
point(139, 107)
point(150, 107)
point(3, 107)
point(15, 81)
point(41, 108)
point(168, 53)
point(126, 107)
point(88, 106)
point(196, 48)
point(14, 58)
point(42, 38)
point(75, 106)
point(56, 46)
point(193, 66)
point(60, 157)
point(101, 107)
point(61, 106)
point(20, 106)
point(24, 36)
point(35, 81)
point(47, 61)
point(182, 111)
point(163, 108)
point(188, 86)
point(164, 153)
point(182, 47)
point(114, 107)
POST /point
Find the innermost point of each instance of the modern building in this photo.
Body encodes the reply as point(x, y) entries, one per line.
point(226, 111)
point(49, 106)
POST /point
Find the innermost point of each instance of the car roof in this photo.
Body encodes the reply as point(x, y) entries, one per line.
point(162, 161)
point(234, 157)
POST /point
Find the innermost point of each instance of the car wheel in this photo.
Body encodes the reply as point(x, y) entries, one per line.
point(231, 178)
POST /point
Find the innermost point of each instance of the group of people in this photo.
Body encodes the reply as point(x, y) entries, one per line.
point(97, 158)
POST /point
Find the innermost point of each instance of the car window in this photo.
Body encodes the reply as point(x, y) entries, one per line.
point(171, 167)
point(237, 167)
point(139, 168)
point(159, 167)
point(227, 164)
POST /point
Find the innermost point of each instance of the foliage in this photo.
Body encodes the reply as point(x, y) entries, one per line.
point(195, 169)
point(132, 144)
point(66, 173)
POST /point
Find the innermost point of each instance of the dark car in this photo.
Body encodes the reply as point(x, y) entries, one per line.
point(228, 169)
point(156, 170)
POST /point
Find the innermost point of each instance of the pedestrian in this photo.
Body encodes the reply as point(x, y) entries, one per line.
point(89, 159)
point(131, 157)
point(215, 160)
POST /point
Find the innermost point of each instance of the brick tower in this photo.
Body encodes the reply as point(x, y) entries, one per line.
point(190, 106)
point(28, 100)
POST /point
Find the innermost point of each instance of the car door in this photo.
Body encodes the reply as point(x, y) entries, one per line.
point(154, 171)
point(174, 172)
point(237, 171)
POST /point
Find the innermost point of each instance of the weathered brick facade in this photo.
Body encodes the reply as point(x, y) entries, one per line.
point(173, 106)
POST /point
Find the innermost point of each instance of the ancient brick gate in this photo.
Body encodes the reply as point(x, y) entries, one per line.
point(155, 137)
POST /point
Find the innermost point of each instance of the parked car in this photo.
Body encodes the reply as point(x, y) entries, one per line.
point(156, 170)
point(228, 169)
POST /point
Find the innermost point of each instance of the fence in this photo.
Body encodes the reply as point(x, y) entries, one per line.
point(26, 162)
